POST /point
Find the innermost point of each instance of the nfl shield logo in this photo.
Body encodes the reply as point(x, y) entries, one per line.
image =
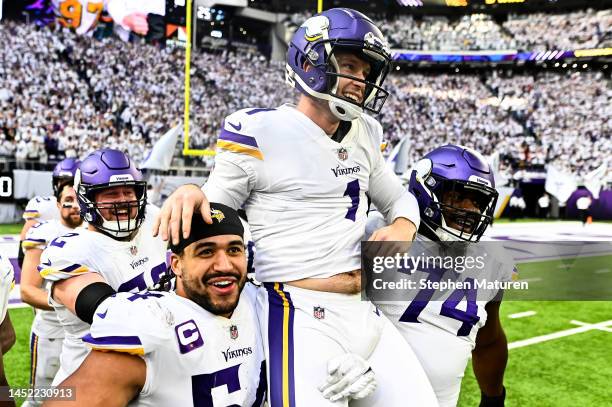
point(233, 332)
point(342, 154)
point(319, 312)
point(134, 250)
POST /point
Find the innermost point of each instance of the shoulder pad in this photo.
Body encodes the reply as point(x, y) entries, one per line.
point(240, 131)
point(66, 256)
point(37, 236)
point(135, 323)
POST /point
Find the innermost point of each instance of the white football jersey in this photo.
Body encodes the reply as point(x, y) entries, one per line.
point(41, 208)
point(80, 15)
point(38, 237)
point(193, 357)
point(125, 265)
point(304, 193)
point(449, 323)
point(7, 282)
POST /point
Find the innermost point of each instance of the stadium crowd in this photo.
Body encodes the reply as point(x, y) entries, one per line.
point(527, 32)
point(66, 95)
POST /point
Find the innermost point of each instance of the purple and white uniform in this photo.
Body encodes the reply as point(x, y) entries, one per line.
point(305, 199)
point(125, 265)
point(193, 357)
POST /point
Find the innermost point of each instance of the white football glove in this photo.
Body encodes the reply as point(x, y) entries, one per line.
point(348, 376)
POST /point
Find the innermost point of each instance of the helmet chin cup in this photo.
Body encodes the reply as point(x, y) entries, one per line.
point(344, 111)
point(120, 229)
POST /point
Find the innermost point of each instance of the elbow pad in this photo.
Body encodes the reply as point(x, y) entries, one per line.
point(89, 298)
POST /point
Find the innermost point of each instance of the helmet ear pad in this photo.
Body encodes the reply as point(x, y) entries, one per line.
point(315, 76)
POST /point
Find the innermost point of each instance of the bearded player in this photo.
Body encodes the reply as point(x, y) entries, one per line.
point(116, 253)
point(197, 346)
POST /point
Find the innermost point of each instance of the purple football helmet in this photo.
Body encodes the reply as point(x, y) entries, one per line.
point(446, 177)
point(318, 40)
point(105, 169)
point(63, 173)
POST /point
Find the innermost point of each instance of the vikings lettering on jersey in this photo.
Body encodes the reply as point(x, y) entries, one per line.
point(193, 357)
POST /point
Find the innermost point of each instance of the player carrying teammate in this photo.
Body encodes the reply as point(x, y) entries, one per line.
point(456, 192)
point(302, 173)
point(198, 346)
point(116, 253)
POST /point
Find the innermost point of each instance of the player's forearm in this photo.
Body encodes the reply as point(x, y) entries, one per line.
point(489, 363)
point(36, 297)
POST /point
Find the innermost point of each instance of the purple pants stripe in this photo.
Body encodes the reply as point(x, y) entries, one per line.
point(280, 344)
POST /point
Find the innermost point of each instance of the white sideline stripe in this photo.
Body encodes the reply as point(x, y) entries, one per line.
point(580, 323)
point(556, 335)
point(18, 305)
point(522, 314)
point(601, 271)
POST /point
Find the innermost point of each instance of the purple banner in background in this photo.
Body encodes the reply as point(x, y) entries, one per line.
point(601, 209)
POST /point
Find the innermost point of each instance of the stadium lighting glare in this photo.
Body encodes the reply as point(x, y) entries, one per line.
point(556, 64)
point(564, 66)
point(574, 65)
point(585, 66)
point(397, 68)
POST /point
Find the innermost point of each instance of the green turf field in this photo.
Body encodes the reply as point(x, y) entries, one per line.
point(570, 370)
point(11, 229)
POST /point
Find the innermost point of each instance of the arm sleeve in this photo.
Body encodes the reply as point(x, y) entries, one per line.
point(229, 183)
point(386, 190)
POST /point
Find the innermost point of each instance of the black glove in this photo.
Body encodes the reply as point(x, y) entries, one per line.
point(492, 401)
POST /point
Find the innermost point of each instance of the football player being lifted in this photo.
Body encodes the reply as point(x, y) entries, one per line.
point(197, 346)
point(116, 252)
point(456, 192)
point(302, 172)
